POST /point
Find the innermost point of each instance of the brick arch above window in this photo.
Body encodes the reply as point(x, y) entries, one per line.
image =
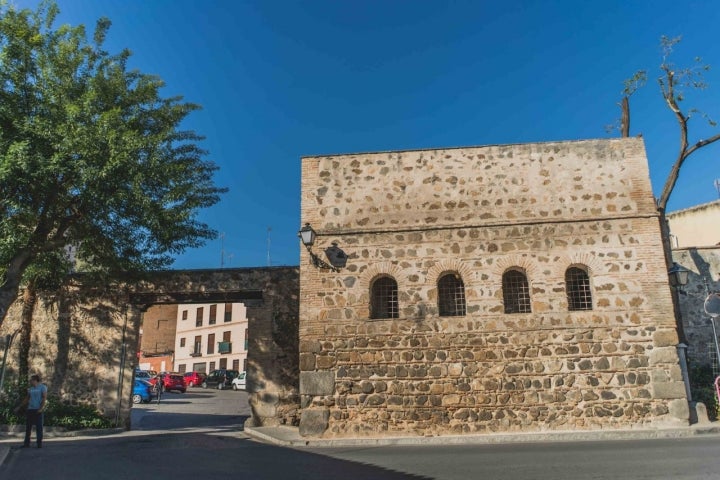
point(517, 262)
point(447, 266)
point(586, 261)
point(381, 269)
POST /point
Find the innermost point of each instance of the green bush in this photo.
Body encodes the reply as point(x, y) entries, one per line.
point(57, 413)
point(702, 388)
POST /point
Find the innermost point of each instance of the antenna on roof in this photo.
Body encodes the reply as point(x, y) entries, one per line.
point(717, 186)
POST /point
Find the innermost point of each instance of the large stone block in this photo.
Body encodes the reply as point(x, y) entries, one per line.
point(663, 355)
point(668, 390)
point(314, 421)
point(317, 383)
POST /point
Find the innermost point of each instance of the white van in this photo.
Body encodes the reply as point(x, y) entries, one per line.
point(238, 382)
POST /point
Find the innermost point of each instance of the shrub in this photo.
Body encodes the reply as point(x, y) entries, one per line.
point(57, 413)
point(702, 388)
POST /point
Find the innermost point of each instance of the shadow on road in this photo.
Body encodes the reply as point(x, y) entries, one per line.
point(184, 456)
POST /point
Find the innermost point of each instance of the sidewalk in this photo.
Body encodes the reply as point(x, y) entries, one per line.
point(290, 437)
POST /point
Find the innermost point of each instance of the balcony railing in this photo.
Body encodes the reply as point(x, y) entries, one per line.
point(224, 347)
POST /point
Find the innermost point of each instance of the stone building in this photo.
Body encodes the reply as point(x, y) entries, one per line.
point(211, 336)
point(487, 289)
point(697, 226)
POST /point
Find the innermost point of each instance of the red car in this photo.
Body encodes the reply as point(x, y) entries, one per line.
point(171, 382)
point(194, 379)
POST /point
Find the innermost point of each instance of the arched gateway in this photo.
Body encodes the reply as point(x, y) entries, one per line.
point(85, 338)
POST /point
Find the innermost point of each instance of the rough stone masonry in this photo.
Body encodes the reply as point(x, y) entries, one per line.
point(412, 217)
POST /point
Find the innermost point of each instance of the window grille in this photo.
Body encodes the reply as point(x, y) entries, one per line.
point(712, 354)
point(451, 296)
point(577, 286)
point(516, 292)
point(384, 298)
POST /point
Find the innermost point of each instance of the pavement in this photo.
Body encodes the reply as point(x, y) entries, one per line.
point(290, 436)
point(287, 436)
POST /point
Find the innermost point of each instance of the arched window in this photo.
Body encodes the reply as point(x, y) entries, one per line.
point(451, 295)
point(577, 286)
point(516, 292)
point(384, 298)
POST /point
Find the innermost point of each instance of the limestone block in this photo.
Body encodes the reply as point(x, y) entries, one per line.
point(669, 390)
point(665, 338)
point(663, 355)
point(317, 383)
point(679, 409)
point(314, 421)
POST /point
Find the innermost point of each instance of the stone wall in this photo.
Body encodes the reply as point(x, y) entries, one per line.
point(85, 340)
point(477, 212)
point(704, 278)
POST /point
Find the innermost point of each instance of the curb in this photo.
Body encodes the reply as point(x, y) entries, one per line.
point(290, 437)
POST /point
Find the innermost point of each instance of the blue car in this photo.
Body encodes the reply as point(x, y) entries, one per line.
point(142, 391)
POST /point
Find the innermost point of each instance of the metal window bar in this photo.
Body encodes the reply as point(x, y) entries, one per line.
point(451, 296)
point(384, 296)
point(577, 287)
point(516, 292)
point(712, 354)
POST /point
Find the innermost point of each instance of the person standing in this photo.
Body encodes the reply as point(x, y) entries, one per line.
point(35, 401)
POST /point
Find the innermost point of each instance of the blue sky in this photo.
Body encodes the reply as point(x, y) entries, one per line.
point(281, 79)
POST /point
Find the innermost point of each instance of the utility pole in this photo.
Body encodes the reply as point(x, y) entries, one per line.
point(222, 250)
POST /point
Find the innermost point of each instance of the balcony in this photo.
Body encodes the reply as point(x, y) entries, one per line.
point(196, 353)
point(224, 347)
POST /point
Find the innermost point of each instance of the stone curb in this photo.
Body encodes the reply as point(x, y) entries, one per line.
point(290, 437)
point(54, 432)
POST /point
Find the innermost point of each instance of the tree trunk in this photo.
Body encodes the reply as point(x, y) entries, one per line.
point(625, 117)
point(29, 302)
point(10, 287)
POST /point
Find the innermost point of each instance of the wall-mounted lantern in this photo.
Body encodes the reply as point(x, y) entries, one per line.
point(678, 275)
point(335, 255)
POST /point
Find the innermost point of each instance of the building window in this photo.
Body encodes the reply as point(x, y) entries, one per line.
point(223, 363)
point(184, 314)
point(245, 365)
point(199, 317)
point(199, 367)
point(213, 314)
point(236, 364)
point(197, 346)
point(384, 298)
point(211, 343)
point(228, 312)
point(577, 286)
point(182, 342)
point(212, 366)
point(451, 296)
point(516, 292)
point(247, 339)
point(181, 368)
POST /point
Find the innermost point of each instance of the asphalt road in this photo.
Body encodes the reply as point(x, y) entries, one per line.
point(199, 435)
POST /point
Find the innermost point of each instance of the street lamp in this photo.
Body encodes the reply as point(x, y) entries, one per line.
point(337, 257)
point(678, 275)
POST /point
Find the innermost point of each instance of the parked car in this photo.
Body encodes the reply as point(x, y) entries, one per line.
point(142, 391)
point(220, 378)
point(238, 383)
point(171, 381)
point(194, 379)
point(146, 375)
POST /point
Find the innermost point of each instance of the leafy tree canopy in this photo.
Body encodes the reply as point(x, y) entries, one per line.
point(91, 154)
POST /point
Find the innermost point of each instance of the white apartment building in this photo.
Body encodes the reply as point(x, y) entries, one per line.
point(211, 336)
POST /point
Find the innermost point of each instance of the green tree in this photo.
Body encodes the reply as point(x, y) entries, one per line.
point(91, 155)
